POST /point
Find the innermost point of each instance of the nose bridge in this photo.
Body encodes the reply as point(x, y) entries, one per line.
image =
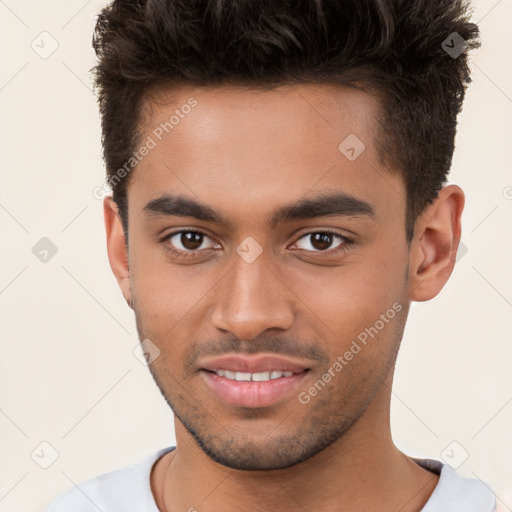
point(251, 299)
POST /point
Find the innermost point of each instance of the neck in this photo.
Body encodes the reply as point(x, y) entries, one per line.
point(362, 470)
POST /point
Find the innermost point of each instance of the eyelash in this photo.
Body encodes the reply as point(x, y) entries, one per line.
point(187, 254)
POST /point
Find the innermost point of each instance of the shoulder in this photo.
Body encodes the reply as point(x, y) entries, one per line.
point(127, 489)
point(455, 492)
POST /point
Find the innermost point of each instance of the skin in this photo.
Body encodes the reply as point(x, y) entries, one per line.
point(245, 153)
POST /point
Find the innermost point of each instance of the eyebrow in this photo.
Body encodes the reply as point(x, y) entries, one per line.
point(324, 205)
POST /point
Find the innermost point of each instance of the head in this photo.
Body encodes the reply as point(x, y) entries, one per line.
point(278, 175)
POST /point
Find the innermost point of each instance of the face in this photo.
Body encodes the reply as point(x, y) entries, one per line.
point(258, 244)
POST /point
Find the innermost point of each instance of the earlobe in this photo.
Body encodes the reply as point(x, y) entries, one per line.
point(434, 247)
point(116, 247)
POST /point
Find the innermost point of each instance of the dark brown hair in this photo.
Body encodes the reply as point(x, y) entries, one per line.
point(411, 53)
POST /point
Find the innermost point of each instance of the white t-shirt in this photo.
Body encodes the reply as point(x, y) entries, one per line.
point(128, 490)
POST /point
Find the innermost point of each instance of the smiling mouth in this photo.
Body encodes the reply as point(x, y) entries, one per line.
point(253, 389)
point(257, 380)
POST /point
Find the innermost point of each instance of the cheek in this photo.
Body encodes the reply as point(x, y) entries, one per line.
point(349, 293)
point(170, 298)
point(356, 307)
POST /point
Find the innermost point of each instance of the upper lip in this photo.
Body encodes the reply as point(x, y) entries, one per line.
point(253, 364)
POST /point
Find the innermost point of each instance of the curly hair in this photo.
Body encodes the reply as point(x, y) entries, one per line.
point(411, 53)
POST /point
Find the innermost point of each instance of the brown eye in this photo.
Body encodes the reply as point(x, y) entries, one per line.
point(321, 241)
point(191, 240)
point(188, 242)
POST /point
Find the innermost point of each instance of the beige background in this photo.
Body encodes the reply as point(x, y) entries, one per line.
point(68, 373)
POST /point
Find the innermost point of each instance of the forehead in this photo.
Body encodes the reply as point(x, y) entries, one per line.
point(304, 113)
point(253, 148)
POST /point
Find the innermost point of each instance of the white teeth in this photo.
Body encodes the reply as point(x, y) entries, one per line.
point(255, 377)
point(277, 375)
point(261, 376)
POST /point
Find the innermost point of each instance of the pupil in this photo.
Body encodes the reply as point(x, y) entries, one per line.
point(321, 240)
point(191, 240)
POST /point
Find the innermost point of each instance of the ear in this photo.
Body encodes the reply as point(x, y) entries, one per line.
point(434, 246)
point(116, 247)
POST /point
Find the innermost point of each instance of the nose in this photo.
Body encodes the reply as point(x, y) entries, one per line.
point(251, 299)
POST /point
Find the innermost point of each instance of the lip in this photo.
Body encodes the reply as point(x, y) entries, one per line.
point(253, 364)
point(253, 393)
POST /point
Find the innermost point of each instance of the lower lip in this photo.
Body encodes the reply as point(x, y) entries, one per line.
point(249, 393)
